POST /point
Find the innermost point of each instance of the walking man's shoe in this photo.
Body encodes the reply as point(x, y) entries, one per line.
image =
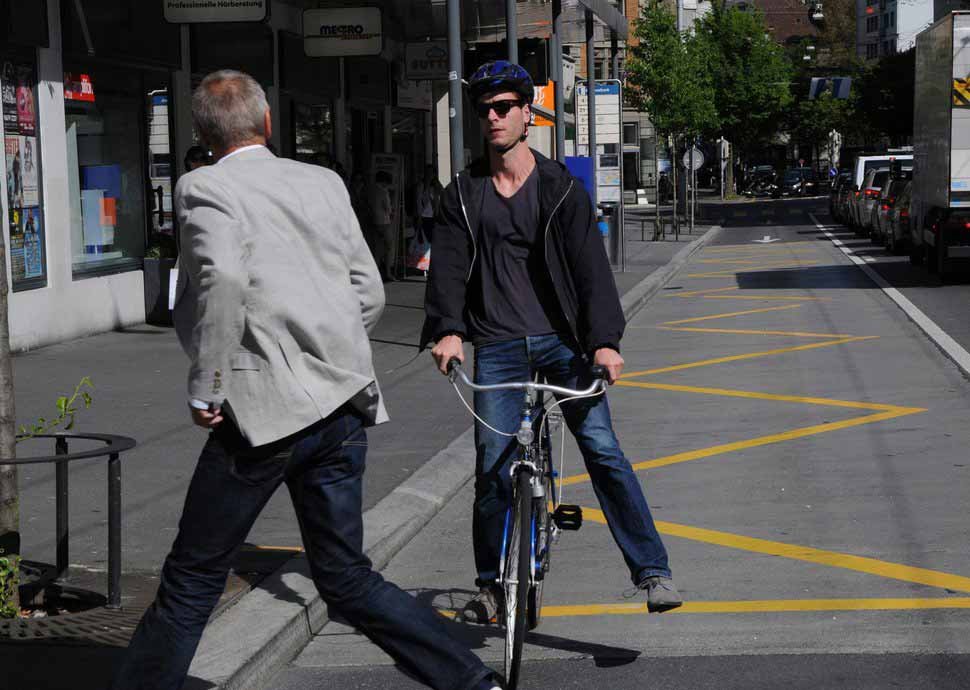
point(484, 606)
point(662, 595)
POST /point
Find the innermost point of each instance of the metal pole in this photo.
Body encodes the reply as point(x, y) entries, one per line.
point(691, 192)
point(61, 507)
point(340, 117)
point(455, 117)
point(658, 230)
point(675, 220)
point(720, 163)
point(560, 97)
point(591, 100)
point(614, 57)
point(680, 17)
point(512, 31)
point(114, 531)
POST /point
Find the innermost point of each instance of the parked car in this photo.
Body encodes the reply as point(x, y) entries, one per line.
point(860, 167)
point(899, 227)
point(797, 182)
point(864, 202)
point(761, 180)
point(835, 193)
point(879, 223)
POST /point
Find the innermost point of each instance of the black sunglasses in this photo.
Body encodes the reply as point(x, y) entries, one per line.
point(501, 108)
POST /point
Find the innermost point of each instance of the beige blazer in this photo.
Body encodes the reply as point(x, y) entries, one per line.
point(276, 296)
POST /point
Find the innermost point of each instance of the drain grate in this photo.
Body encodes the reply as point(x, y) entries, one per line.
point(94, 627)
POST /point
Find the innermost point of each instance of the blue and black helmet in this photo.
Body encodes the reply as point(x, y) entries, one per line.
point(501, 75)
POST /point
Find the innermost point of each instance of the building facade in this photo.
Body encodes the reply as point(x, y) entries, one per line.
point(885, 27)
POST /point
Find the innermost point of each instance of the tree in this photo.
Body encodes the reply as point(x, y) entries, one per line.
point(886, 97)
point(9, 494)
point(667, 78)
point(750, 75)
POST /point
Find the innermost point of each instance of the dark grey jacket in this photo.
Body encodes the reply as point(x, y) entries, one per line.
point(574, 256)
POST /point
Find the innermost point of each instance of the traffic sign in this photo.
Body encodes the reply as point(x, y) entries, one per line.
point(698, 158)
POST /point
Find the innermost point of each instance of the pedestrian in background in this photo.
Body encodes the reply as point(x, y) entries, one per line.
point(196, 157)
point(282, 379)
point(426, 197)
point(383, 229)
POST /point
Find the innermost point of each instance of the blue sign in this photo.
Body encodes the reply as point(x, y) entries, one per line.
point(833, 172)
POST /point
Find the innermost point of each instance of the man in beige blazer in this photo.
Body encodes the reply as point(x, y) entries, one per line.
point(277, 294)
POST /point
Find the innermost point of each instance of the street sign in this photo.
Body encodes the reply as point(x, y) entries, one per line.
point(833, 172)
point(698, 158)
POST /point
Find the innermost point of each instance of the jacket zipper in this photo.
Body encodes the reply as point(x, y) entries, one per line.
point(545, 240)
point(468, 226)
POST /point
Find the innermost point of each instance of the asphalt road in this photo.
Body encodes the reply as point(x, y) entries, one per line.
point(803, 447)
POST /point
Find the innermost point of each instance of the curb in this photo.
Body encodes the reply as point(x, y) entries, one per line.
point(287, 606)
point(637, 297)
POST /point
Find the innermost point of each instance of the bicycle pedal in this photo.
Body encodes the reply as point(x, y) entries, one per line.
point(568, 517)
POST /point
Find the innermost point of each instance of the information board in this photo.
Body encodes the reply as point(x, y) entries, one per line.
point(609, 136)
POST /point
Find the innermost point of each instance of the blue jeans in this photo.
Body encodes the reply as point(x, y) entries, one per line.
point(322, 467)
point(614, 481)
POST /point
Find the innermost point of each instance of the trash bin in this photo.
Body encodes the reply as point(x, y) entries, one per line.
point(608, 221)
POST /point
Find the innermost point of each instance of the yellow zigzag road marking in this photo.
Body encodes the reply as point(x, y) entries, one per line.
point(871, 566)
point(781, 298)
point(761, 606)
point(728, 273)
point(747, 355)
point(743, 331)
point(733, 313)
point(731, 393)
point(791, 435)
point(702, 292)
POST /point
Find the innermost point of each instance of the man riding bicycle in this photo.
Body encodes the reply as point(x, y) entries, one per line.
point(520, 270)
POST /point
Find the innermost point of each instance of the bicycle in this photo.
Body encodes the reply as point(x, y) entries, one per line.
point(536, 515)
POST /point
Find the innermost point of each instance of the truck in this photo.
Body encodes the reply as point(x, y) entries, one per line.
point(940, 209)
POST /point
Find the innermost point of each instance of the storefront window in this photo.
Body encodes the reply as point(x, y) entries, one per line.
point(119, 164)
point(21, 151)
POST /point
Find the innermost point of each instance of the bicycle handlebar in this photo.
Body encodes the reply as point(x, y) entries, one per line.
point(599, 385)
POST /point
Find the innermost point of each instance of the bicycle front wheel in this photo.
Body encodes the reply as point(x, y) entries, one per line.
point(518, 576)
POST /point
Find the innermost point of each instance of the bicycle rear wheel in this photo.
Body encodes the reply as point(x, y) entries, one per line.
point(518, 565)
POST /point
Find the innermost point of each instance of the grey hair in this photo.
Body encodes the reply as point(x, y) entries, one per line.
point(228, 108)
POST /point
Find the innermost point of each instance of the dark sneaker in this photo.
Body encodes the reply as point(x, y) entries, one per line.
point(484, 606)
point(661, 594)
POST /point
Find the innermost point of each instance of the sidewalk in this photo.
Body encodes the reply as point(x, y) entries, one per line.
point(139, 391)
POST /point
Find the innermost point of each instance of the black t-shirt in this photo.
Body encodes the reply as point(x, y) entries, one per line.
point(511, 294)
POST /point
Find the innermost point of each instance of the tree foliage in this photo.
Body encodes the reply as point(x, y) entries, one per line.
point(667, 76)
point(750, 73)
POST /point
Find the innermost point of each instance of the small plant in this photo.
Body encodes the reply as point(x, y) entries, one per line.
point(66, 410)
point(9, 577)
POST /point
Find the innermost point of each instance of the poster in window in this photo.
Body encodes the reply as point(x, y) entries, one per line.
point(26, 115)
point(33, 244)
point(28, 170)
point(17, 243)
point(15, 182)
point(8, 89)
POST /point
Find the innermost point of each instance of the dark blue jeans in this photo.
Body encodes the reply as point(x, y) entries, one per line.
point(322, 467)
point(614, 481)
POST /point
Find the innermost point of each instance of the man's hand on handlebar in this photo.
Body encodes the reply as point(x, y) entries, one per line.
point(446, 349)
point(611, 360)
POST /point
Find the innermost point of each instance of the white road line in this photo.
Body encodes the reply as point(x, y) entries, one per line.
point(952, 348)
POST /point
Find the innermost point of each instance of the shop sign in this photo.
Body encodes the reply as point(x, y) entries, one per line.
point(545, 96)
point(427, 60)
point(200, 11)
point(415, 95)
point(78, 87)
point(342, 32)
